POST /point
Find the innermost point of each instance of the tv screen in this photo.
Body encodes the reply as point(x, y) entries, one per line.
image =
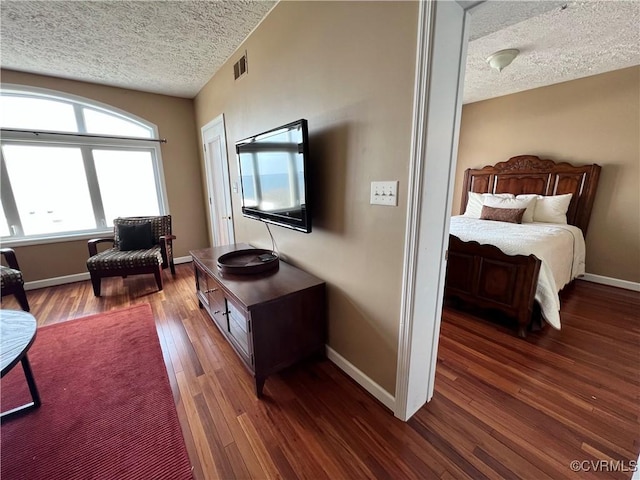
point(273, 176)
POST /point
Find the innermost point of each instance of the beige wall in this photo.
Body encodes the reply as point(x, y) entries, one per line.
point(348, 68)
point(175, 119)
point(591, 120)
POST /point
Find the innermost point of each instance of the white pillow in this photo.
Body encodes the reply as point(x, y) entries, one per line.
point(527, 203)
point(530, 212)
point(552, 209)
point(476, 201)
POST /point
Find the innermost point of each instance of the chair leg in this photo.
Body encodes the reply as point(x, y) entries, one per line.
point(21, 296)
point(158, 275)
point(95, 281)
point(172, 267)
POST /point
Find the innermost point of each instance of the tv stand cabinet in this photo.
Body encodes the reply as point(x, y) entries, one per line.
point(272, 319)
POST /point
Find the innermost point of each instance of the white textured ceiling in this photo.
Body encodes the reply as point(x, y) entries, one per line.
point(175, 47)
point(561, 41)
point(169, 47)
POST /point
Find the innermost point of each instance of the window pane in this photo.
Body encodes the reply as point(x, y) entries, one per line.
point(106, 124)
point(127, 183)
point(36, 114)
point(4, 226)
point(53, 193)
point(50, 188)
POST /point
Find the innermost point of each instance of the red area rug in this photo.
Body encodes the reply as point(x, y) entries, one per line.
point(107, 408)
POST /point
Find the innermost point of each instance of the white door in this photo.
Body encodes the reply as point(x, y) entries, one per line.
point(218, 184)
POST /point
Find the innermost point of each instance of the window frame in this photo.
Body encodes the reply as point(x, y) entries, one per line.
point(85, 142)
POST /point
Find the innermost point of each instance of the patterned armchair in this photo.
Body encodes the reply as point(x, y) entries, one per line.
point(140, 245)
point(12, 281)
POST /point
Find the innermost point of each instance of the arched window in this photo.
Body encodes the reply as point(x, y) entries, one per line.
point(70, 166)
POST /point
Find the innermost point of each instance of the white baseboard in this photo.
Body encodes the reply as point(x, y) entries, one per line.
point(363, 380)
point(52, 282)
point(79, 277)
point(612, 282)
point(186, 259)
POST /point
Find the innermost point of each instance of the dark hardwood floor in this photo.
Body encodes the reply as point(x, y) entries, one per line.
point(504, 407)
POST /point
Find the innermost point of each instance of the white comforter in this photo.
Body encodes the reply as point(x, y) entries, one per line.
point(560, 247)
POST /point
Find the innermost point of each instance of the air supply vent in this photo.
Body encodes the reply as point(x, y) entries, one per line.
point(240, 67)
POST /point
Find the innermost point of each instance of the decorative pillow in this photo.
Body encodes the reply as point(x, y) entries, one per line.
point(511, 215)
point(476, 201)
point(527, 203)
point(135, 237)
point(552, 209)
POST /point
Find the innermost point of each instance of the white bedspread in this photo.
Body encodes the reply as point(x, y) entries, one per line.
point(560, 247)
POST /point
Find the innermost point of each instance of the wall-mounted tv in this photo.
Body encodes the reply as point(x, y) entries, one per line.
point(273, 176)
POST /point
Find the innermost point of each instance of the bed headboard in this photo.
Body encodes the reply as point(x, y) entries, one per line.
point(531, 174)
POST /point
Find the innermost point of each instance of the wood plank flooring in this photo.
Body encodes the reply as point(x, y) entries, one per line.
point(504, 407)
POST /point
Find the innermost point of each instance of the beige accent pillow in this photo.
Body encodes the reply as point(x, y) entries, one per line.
point(475, 201)
point(511, 215)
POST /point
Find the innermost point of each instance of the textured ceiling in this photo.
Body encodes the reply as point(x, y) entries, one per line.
point(175, 47)
point(170, 47)
point(556, 44)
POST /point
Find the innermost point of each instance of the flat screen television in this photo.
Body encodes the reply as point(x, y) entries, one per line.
point(273, 176)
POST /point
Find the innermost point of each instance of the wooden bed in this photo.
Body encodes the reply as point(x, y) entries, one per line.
point(484, 276)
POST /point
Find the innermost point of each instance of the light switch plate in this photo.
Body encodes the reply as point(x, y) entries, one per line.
point(384, 193)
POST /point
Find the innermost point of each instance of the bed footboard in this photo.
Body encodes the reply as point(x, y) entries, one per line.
point(484, 276)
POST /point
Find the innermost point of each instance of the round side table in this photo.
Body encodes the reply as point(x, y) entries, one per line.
point(17, 333)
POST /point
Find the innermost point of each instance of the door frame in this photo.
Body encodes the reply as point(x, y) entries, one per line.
point(440, 65)
point(220, 181)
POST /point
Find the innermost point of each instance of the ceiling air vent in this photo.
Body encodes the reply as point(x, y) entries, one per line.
point(240, 67)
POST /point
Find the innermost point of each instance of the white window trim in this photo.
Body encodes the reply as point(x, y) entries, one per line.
point(81, 139)
point(53, 238)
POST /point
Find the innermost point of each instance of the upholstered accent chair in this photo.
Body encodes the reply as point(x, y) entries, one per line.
point(140, 245)
point(12, 281)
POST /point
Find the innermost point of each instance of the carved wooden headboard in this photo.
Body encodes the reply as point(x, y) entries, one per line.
point(531, 174)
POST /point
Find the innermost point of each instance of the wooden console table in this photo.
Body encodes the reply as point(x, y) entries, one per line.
point(272, 319)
